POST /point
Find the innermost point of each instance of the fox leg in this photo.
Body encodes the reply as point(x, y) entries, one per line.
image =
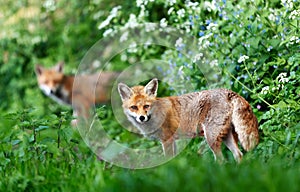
point(214, 141)
point(232, 145)
point(202, 147)
point(81, 108)
point(169, 147)
point(74, 121)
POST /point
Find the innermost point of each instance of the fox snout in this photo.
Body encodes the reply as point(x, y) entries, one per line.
point(143, 118)
point(48, 90)
point(141, 113)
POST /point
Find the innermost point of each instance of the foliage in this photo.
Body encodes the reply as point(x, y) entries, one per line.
point(254, 45)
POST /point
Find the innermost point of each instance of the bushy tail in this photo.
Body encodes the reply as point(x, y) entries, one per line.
point(245, 123)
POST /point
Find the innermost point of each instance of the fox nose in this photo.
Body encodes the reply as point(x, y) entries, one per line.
point(142, 118)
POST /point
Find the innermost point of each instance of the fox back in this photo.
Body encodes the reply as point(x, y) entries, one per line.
point(82, 92)
point(219, 115)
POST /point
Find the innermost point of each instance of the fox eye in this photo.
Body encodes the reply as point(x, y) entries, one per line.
point(146, 106)
point(134, 107)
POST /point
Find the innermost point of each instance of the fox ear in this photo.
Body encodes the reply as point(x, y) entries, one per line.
point(124, 91)
point(151, 87)
point(38, 69)
point(59, 67)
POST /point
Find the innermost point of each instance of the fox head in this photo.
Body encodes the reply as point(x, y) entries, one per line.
point(49, 79)
point(138, 100)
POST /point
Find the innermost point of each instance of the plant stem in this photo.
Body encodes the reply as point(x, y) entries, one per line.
point(249, 89)
point(58, 133)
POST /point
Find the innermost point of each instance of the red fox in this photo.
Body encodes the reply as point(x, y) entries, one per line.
point(219, 115)
point(89, 89)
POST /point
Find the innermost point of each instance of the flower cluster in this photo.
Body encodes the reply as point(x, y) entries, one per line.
point(249, 40)
point(243, 58)
point(295, 14)
point(113, 14)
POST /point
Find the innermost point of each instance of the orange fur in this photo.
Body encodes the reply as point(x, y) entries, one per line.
point(88, 89)
point(219, 115)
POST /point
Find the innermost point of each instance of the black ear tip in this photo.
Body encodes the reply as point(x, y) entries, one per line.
point(38, 68)
point(59, 66)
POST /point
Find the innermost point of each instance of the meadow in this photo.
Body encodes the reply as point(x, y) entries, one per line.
point(250, 47)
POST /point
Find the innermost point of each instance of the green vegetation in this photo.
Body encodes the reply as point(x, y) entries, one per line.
point(253, 44)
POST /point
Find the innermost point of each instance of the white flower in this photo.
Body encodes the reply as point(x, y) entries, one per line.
point(139, 3)
point(181, 12)
point(171, 2)
point(123, 57)
point(197, 57)
point(50, 5)
point(212, 26)
point(148, 43)
point(107, 32)
point(170, 10)
point(163, 23)
point(132, 22)
point(213, 63)
point(150, 27)
point(295, 14)
point(142, 12)
point(113, 14)
point(294, 39)
point(179, 42)
point(209, 6)
point(275, 89)
point(96, 64)
point(282, 78)
point(281, 75)
point(243, 58)
point(287, 3)
point(192, 5)
point(272, 17)
point(132, 48)
point(265, 90)
point(203, 41)
point(124, 37)
point(104, 23)
point(115, 10)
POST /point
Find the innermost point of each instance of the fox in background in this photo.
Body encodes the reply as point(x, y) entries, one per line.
point(89, 89)
point(219, 115)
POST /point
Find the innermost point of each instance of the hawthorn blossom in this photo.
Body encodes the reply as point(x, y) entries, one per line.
point(163, 23)
point(265, 90)
point(113, 14)
point(243, 58)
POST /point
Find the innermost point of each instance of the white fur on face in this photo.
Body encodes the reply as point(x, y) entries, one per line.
point(51, 93)
point(137, 117)
point(46, 89)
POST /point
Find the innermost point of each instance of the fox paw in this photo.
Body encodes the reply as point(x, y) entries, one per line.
point(74, 122)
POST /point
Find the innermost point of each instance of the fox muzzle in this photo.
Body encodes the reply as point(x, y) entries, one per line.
point(143, 118)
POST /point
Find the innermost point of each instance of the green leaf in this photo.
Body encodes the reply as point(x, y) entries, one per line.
point(254, 42)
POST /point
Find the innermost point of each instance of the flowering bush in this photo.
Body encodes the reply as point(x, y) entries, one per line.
point(254, 44)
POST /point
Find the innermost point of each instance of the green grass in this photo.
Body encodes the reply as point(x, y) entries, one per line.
point(187, 172)
point(55, 158)
point(43, 165)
